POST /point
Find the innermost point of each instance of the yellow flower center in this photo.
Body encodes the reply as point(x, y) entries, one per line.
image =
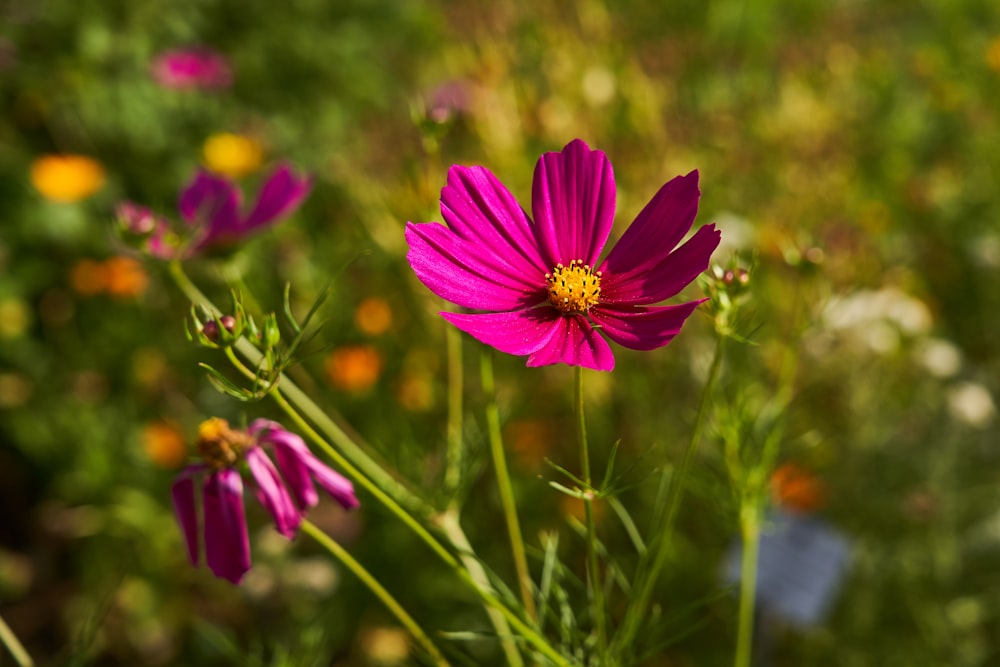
point(220, 446)
point(574, 288)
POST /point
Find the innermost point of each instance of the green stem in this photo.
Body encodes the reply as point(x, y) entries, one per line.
point(594, 585)
point(659, 551)
point(375, 587)
point(453, 461)
point(504, 484)
point(750, 530)
point(13, 644)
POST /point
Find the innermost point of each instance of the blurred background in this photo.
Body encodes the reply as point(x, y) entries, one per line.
point(850, 152)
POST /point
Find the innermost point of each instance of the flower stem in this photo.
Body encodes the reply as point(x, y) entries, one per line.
point(454, 456)
point(663, 523)
point(504, 484)
point(750, 531)
point(13, 644)
point(375, 587)
point(594, 584)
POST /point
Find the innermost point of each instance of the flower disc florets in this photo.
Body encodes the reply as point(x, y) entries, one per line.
point(574, 288)
point(220, 446)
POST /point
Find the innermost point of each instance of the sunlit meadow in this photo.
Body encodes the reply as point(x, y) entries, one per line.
point(454, 333)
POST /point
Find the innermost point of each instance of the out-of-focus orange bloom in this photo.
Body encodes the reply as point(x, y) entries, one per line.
point(164, 444)
point(529, 442)
point(415, 392)
point(354, 367)
point(66, 178)
point(373, 316)
point(795, 488)
point(574, 507)
point(233, 155)
point(88, 277)
point(993, 54)
point(126, 277)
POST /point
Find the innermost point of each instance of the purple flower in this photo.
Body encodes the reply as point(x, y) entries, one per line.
point(196, 68)
point(286, 491)
point(211, 207)
point(547, 295)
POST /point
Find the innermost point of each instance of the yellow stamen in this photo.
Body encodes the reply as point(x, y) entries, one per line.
point(219, 445)
point(574, 288)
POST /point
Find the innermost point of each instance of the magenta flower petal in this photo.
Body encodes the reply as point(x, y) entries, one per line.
point(640, 328)
point(665, 278)
point(213, 202)
point(192, 68)
point(460, 272)
point(519, 332)
point(573, 201)
point(280, 195)
point(272, 494)
point(576, 343)
point(482, 211)
point(185, 508)
point(227, 546)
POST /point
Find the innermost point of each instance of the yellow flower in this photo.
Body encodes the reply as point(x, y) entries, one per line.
point(66, 178)
point(354, 367)
point(232, 155)
point(993, 54)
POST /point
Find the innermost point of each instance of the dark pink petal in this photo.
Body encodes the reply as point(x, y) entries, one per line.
point(272, 494)
point(212, 202)
point(519, 332)
point(664, 278)
point(280, 195)
point(657, 229)
point(227, 546)
point(461, 272)
point(185, 508)
point(642, 328)
point(481, 210)
point(288, 449)
point(338, 486)
point(575, 343)
point(573, 202)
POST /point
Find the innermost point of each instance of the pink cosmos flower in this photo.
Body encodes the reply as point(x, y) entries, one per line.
point(547, 295)
point(211, 207)
point(195, 68)
point(286, 491)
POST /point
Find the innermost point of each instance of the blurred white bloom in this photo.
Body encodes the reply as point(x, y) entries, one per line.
point(316, 575)
point(737, 234)
point(986, 249)
point(871, 312)
point(940, 357)
point(971, 403)
point(599, 86)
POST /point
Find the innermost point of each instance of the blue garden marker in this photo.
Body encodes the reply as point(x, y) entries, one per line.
point(801, 565)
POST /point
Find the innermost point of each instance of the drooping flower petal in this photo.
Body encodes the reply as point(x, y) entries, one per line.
point(280, 195)
point(227, 546)
point(576, 343)
point(210, 200)
point(272, 494)
point(185, 508)
point(573, 202)
point(641, 328)
point(667, 277)
point(481, 210)
point(458, 271)
point(519, 332)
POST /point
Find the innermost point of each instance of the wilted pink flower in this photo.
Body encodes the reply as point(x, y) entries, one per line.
point(211, 207)
point(541, 280)
point(286, 491)
point(200, 68)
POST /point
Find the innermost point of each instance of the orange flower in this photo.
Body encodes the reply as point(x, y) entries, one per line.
point(415, 392)
point(373, 316)
point(354, 367)
point(529, 442)
point(797, 489)
point(66, 178)
point(88, 277)
point(233, 155)
point(164, 444)
point(125, 277)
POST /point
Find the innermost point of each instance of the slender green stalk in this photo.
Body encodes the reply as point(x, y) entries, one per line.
point(595, 587)
point(375, 587)
point(453, 460)
point(13, 644)
point(750, 530)
point(659, 550)
point(504, 484)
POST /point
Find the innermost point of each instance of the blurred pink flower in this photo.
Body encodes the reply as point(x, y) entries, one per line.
point(541, 280)
point(211, 207)
point(286, 491)
point(194, 68)
point(449, 99)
